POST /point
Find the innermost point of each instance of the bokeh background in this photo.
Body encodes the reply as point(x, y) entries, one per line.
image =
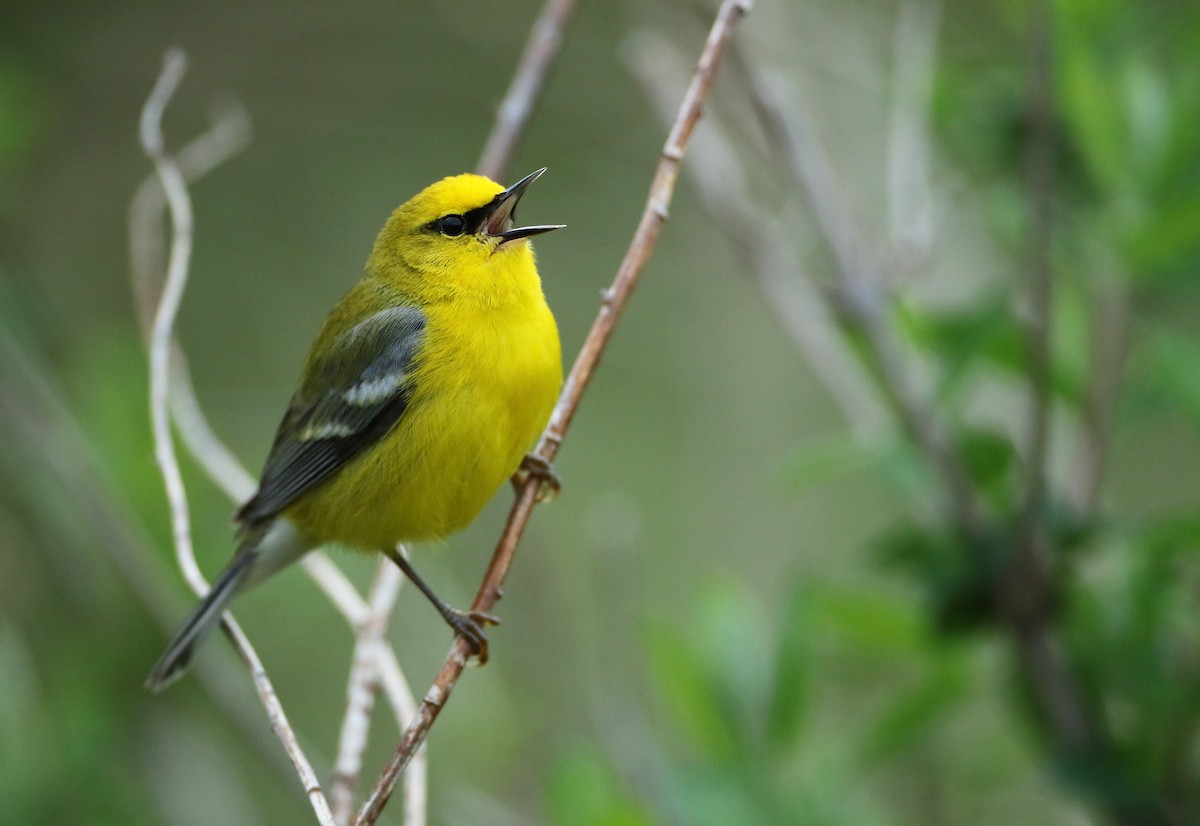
point(741, 609)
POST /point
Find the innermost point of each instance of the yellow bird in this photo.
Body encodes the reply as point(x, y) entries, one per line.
point(427, 384)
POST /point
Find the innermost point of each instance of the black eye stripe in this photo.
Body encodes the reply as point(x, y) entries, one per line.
point(472, 219)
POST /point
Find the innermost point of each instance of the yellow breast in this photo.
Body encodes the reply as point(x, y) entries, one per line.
point(486, 381)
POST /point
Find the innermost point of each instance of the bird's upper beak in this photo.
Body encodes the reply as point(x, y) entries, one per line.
point(499, 221)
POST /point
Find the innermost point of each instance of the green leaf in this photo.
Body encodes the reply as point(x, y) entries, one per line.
point(870, 620)
point(732, 640)
point(703, 797)
point(910, 718)
point(988, 455)
point(790, 696)
point(584, 791)
point(817, 462)
point(1175, 365)
point(690, 694)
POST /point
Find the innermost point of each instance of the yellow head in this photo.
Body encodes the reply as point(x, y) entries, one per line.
point(457, 235)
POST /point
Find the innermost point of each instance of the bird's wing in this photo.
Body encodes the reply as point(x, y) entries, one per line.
point(349, 400)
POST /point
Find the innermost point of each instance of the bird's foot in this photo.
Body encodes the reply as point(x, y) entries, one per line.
point(535, 467)
point(469, 625)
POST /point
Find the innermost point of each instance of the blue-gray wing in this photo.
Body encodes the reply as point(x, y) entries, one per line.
point(351, 399)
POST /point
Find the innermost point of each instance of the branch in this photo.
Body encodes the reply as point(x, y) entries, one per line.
point(360, 692)
point(228, 135)
point(1039, 172)
point(178, 200)
point(910, 199)
point(615, 299)
point(545, 41)
point(1109, 351)
point(860, 298)
point(1021, 597)
point(1026, 591)
point(719, 171)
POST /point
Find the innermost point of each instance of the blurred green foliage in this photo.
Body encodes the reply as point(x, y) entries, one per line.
point(739, 612)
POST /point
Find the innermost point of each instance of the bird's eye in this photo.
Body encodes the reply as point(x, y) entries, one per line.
point(451, 225)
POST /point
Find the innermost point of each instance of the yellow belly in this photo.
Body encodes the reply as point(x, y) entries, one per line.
point(484, 389)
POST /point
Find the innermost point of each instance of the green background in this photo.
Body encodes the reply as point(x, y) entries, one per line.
point(700, 629)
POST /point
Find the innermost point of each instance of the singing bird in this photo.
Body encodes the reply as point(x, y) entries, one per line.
point(420, 396)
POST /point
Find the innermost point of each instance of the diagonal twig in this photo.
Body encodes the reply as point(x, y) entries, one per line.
point(542, 48)
point(179, 202)
point(615, 299)
point(859, 296)
point(721, 174)
point(1025, 596)
point(909, 196)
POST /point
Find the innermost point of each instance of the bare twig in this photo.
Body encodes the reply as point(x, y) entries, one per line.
point(720, 173)
point(1025, 592)
point(180, 204)
point(860, 298)
point(1039, 171)
point(175, 187)
point(910, 198)
point(615, 299)
point(360, 691)
point(1108, 353)
point(228, 135)
point(545, 41)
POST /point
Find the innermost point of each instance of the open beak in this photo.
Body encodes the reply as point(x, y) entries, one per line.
point(499, 222)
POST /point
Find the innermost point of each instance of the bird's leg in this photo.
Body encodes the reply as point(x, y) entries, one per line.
point(534, 466)
point(467, 624)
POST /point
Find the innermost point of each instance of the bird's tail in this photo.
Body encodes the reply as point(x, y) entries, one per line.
point(174, 662)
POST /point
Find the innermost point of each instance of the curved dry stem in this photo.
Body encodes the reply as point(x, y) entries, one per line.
point(228, 135)
point(179, 202)
point(615, 299)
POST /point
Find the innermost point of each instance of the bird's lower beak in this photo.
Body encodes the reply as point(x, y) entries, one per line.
point(499, 223)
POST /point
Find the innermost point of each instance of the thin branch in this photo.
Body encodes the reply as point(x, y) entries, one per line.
point(720, 172)
point(910, 197)
point(1039, 172)
point(180, 204)
point(1025, 592)
point(860, 295)
point(615, 299)
point(860, 298)
point(360, 691)
point(541, 50)
point(404, 707)
point(229, 134)
point(1109, 350)
point(178, 200)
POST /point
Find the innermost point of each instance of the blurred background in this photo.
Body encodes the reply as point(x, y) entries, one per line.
point(758, 599)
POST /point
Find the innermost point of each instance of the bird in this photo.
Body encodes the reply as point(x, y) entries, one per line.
point(427, 384)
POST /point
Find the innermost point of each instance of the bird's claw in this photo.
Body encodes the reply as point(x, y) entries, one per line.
point(469, 625)
point(535, 467)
